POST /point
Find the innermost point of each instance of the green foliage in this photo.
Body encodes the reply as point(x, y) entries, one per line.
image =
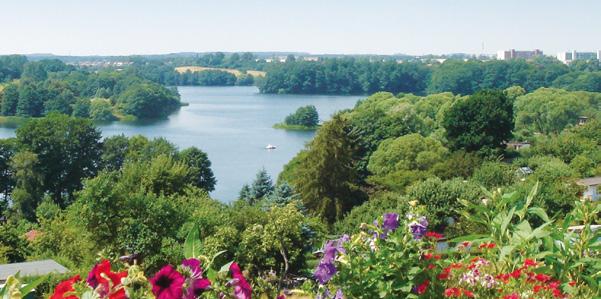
point(457, 164)
point(558, 190)
point(8, 148)
point(13, 245)
point(261, 187)
point(81, 108)
point(549, 110)
point(9, 99)
point(148, 101)
point(441, 199)
point(468, 77)
point(377, 205)
point(67, 150)
point(326, 178)
point(28, 190)
point(11, 67)
point(199, 168)
point(579, 80)
point(101, 110)
point(400, 161)
point(481, 122)
point(344, 76)
point(305, 116)
point(493, 174)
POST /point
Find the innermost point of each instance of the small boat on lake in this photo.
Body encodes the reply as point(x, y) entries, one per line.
point(270, 147)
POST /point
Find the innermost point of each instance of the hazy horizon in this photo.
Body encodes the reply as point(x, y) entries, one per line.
point(113, 28)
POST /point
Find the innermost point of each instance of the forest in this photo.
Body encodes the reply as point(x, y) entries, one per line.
point(361, 76)
point(39, 88)
point(441, 159)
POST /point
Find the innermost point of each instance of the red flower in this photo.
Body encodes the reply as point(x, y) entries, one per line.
point(452, 292)
point(434, 235)
point(445, 274)
point(427, 256)
point(572, 283)
point(557, 293)
point(487, 245)
point(516, 273)
point(167, 283)
point(97, 279)
point(422, 287)
point(437, 257)
point(430, 267)
point(468, 294)
point(64, 288)
point(542, 277)
point(512, 296)
point(537, 288)
point(529, 263)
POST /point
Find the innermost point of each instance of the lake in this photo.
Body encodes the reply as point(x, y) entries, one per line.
point(232, 125)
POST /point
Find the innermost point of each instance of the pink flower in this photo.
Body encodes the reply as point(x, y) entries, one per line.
point(242, 289)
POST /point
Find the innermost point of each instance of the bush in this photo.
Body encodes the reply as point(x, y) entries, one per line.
point(378, 204)
point(494, 174)
point(441, 199)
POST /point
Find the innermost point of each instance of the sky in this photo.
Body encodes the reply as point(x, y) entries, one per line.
point(416, 27)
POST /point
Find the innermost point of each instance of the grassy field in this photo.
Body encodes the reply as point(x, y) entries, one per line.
point(237, 73)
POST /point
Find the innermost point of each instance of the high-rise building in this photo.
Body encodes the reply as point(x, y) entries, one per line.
point(567, 57)
point(513, 54)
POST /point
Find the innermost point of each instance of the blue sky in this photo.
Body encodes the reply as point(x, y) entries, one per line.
point(119, 27)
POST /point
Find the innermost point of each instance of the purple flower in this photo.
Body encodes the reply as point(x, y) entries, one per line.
point(326, 269)
point(391, 222)
point(339, 294)
point(418, 228)
point(324, 272)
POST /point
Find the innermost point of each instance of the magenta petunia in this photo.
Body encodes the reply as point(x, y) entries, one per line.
point(197, 287)
point(242, 289)
point(194, 266)
point(167, 283)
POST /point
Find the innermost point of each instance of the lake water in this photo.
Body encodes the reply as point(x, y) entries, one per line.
point(233, 125)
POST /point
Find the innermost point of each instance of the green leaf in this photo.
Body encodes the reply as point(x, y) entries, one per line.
point(192, 245)
point(505, 251)
point(540, 212)
point(32, 285)
point(226, 268)
point(211, 274)
point(522, 212)
point(507, 220)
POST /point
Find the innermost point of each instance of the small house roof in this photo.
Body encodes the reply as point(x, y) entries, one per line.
point(590, 181)
point(31, 268)
point(526, 170)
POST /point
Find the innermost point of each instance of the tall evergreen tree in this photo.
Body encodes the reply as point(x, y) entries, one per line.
point(327, 179)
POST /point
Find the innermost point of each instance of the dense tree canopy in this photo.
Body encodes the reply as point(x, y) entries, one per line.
point(482, 121)
point(305, 116)
point(149, 101)
point(67, 149)
point(344, 76)
point(550, 110)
